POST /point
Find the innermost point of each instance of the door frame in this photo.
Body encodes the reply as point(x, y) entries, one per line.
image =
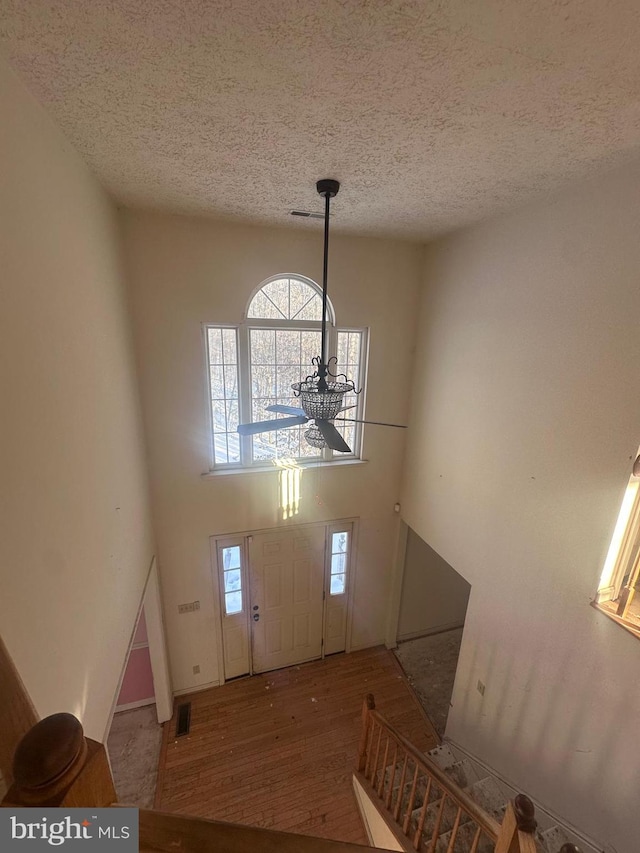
point(151, 603)
point(245, 534)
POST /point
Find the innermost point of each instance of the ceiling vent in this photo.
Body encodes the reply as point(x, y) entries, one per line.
point(306, 214)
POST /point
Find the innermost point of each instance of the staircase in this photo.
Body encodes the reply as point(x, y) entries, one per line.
point(491, 795)
point(439, 802)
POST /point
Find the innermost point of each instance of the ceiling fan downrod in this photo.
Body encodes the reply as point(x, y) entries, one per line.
point(328, 188)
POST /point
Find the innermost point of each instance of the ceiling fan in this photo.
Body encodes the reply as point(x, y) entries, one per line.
point(322, 392)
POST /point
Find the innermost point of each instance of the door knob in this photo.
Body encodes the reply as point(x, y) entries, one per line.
point(255, 606)
point(256, 617)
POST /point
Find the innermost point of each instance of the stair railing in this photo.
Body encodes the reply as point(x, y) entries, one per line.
point(421, 804)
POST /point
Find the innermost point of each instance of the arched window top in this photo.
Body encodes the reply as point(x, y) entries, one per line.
point(288, 297)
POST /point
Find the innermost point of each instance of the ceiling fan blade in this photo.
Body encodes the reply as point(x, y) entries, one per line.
point(285, 410)
point(333, 438)
point(376, 423)
point(268, 426)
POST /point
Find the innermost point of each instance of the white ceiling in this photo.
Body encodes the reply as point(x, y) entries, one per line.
point(432, 113)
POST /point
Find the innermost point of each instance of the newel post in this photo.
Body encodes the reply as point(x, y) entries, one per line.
point(55, 765)
point(369, 704)
point(518, 827)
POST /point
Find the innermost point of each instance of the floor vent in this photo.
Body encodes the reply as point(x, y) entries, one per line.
point(183, 723)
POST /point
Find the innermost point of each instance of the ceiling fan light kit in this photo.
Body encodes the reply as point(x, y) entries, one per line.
point(321, 393)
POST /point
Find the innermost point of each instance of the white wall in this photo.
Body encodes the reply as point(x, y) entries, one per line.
point(526, 416)
point(186, 271)
point(434, 596)
point(76, 541)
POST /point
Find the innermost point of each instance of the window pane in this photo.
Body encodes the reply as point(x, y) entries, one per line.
point(232, 580)
point(337, 584)
point(288, 299)
point(223, 385)
point(263, 346)
point(339, 542)
point(305, 303)
point(278, 292)
point(292, 351)
point(263, 307)
point(215, 346)
point(338, 563)
point(231, 557)
point(233, 603)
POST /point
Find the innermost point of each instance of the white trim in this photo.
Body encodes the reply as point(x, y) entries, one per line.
point(438, 629)
point(331, 319)
point(395, 585)
point(261, 469)
point(157, 646)
point(114, 703)
point(198, 688)
point(582, 840)
point(378, 832)
point(141, 703)
point(157, 650)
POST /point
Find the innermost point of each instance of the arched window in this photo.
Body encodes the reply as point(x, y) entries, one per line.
point(253, 366)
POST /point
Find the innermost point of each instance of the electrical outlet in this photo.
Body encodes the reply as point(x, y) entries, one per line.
point(191, 607)
point(480, 687)
point(196, 670)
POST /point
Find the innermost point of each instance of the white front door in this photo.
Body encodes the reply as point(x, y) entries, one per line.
point(287, 583)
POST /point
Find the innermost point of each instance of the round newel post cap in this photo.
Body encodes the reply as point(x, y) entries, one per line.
point(55, 748)
point(525, 813)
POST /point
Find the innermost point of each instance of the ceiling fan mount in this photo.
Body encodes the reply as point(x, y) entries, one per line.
point(328, 186)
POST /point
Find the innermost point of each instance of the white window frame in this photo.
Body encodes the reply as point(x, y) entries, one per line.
point(242, 331)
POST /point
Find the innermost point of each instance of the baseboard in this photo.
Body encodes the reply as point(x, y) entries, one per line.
point(196, 689)
point(141, 703)
point(439, 629)
point(587, 844)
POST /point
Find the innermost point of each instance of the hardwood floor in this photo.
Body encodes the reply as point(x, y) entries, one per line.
point(278, 750)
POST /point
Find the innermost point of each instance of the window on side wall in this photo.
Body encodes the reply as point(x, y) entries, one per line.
point(253, 365)
point(619, 588)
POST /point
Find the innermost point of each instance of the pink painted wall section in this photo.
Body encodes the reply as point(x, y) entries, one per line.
point(141, 632)
point(137, 684)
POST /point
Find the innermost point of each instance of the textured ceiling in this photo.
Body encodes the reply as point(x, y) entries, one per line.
point(433, 113)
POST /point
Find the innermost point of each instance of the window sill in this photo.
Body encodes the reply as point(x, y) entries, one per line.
point(611, 614)
point(261, 469)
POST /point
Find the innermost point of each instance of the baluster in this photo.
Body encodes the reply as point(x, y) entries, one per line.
point(423, 815)
point(384, 768)
point(56, 766)
point(476, 840)
point(436, 828)
point(372, 734)
point(367, 705)
point(393, 777)
point(375, 763)
point(454, 831)
point(396, 811)
point(412, 797)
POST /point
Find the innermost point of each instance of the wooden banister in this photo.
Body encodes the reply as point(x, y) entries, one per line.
point(168, 833)
point(17, 714)
point(489, 825)
point(55, 766)
point(427, 807)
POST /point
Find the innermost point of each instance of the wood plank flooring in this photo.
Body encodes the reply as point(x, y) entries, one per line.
point(278, 750)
